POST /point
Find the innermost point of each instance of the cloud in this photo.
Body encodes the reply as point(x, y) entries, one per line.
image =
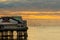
point(30, 4)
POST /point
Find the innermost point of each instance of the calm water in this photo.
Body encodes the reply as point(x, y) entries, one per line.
point(44, 33)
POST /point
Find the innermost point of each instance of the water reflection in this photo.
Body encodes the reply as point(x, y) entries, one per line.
point(44, 33)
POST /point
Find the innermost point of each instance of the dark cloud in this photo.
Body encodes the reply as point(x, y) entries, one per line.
point(31, 4)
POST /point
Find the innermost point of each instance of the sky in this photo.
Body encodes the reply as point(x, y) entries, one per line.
point(31, 5)
point(31, 9)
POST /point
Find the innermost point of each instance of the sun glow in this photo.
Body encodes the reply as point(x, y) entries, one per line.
point(3, 0)
point(32, 15)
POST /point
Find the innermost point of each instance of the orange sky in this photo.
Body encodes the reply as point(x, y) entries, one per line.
point(38, 17)
point(32, 15)
point(41, 17)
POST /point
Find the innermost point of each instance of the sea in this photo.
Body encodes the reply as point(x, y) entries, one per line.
point(44, 33)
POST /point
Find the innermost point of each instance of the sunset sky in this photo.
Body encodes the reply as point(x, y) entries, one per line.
point(31, 9)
